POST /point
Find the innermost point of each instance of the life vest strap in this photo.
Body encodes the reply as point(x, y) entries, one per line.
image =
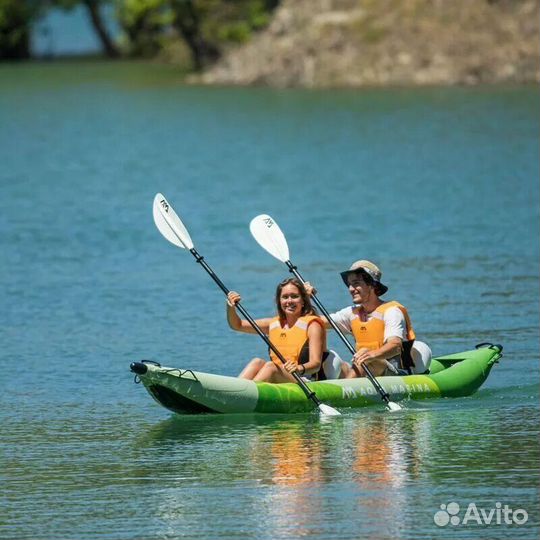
point(407, 361)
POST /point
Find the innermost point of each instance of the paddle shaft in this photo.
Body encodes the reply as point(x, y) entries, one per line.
point(200, 259)
point(352, 350)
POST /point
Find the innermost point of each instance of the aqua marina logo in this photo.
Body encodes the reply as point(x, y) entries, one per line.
point(474, 515)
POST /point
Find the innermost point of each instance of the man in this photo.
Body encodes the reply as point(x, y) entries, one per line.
point(382, 330)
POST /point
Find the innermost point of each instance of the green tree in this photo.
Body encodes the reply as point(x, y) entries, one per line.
point(207, 25)
point(144, 23)
point(188, 19)
point(16, 19)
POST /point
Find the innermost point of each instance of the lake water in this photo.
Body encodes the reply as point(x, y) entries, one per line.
point(438, 186)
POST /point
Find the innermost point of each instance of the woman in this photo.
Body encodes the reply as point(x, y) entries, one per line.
point(297, 333)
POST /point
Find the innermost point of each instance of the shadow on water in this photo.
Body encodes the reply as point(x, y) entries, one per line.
point(184, 429)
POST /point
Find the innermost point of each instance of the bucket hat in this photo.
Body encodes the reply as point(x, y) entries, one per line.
point(369, 268)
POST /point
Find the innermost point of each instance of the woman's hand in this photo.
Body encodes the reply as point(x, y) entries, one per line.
point(292, 367)
point(233, 298)
point(232, 316)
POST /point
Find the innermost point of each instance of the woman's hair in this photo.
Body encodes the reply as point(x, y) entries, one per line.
point(307, 308)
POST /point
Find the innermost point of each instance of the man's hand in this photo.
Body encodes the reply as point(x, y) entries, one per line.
point(233, 298)
point(363, 355)
point(310, 289)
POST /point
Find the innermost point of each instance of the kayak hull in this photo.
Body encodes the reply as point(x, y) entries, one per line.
point(192, 392)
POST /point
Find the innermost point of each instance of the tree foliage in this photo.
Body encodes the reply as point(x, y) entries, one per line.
point(16, 19)
point(207, 27)
point(145, 24)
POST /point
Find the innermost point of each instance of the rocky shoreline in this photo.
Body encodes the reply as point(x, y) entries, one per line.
point(347, 43)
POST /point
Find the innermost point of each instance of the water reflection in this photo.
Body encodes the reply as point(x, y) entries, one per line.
point(289, 467)
point(265, 476)
point(295, 476)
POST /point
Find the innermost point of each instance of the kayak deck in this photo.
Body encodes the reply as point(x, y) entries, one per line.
point(191, 392)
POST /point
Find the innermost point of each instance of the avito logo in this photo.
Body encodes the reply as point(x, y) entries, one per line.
point(500, 515)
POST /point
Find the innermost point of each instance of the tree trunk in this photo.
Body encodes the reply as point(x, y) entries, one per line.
point(16, 45)
point(109, 47)
point(187, 22)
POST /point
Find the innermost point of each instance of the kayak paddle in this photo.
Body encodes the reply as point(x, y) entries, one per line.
point(270, 237)
point(172, 228)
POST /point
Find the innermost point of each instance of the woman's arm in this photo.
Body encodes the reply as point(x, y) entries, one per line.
point(317, 345)
point(238, 324)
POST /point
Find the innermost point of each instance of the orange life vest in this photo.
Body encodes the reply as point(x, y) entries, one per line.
point(292, 343)
point(370, 334)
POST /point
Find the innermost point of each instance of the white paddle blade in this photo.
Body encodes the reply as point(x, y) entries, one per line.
point(169, 224)
point(326, 410)
point(393, 406)
point(269, 236)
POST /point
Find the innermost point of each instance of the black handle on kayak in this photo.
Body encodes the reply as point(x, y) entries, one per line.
point(309, 393)
point(489, 345)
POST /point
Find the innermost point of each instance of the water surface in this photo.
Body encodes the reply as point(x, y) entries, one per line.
point(438, 186)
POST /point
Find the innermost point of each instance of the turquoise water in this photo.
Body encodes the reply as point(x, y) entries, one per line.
point(62, 32)
point(438, 186)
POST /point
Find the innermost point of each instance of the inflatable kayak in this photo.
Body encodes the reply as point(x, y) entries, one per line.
point(185, 391)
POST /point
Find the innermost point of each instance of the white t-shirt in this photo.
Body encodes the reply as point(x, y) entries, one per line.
point(394, 322)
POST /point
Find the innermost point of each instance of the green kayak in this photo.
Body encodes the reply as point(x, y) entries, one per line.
point(185, 391)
